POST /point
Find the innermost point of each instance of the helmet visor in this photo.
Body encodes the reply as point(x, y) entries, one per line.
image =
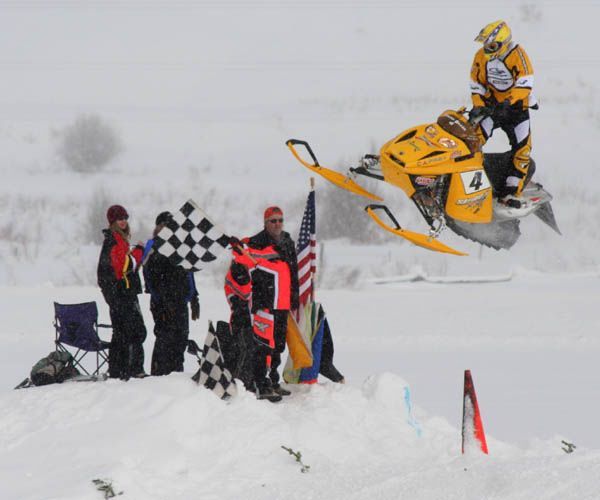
point(492, 48)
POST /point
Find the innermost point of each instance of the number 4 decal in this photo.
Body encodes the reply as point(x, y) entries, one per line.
point(474, 181)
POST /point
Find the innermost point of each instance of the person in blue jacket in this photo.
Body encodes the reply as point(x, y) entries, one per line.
point(171, 289)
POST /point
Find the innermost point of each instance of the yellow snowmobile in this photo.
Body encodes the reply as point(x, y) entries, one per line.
point(442, 169)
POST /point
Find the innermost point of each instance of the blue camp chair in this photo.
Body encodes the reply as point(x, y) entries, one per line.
point(77, 326)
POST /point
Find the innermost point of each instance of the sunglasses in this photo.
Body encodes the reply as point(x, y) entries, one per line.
point(123, 218)
point(274, 221)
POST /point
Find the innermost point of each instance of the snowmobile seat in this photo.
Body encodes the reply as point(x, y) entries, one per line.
point(456, 124)
point(76, 326)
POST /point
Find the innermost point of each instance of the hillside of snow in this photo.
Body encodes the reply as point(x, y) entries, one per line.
point(166, 438)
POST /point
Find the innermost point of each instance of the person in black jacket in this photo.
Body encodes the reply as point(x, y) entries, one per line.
point(263, 280)
point(119, 281)
point(171, 288)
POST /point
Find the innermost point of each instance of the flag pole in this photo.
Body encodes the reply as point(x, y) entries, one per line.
point(314, 275)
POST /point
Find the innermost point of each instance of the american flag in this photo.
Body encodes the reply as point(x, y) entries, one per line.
point(305, 250)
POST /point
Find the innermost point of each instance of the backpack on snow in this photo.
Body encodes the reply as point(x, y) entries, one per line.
point(53, 369)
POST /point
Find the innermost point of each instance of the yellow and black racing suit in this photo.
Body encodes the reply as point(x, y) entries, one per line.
point(505, 84)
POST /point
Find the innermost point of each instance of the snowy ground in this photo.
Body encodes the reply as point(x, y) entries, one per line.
point(163, 438)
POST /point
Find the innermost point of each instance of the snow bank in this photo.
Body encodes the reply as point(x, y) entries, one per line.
point(211, 125)
point(166, 438)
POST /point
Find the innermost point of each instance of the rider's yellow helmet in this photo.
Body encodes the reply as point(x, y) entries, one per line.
point(496, 38)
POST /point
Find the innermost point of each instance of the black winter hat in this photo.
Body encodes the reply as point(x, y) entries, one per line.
point(163, 218)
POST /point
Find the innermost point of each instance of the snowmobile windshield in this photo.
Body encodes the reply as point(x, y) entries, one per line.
point(456, 124)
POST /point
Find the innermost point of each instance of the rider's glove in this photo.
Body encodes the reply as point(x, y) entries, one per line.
point(477, 114)
point(369, 161)
point(236, 245)
point(195, 308)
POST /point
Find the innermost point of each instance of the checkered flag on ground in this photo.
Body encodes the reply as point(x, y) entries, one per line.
point(190, 239)
point(212, 373)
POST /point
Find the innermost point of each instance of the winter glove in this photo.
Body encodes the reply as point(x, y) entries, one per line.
point(240, 273)
point(369, 161)
point(236, 245)
point(478, 113)
point(195, 307)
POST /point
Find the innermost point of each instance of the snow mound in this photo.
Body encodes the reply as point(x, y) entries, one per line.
point(167, 438)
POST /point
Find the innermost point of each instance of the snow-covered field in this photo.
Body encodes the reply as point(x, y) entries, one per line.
point(535, 373)
point(204, 94)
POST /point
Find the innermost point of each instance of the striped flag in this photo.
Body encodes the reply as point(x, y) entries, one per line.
point(305, 250)
point(313, 328)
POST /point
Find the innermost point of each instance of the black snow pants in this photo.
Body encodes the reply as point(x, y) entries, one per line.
point(279, 334)
point(126, 353)
point(172, 330)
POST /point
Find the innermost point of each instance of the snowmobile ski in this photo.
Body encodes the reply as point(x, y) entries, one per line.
point(422, 240)
point(336, 178)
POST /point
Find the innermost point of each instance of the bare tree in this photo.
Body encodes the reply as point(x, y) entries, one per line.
point(96, 216)
point(531, 13)
point(89, 144)
point(342, 215)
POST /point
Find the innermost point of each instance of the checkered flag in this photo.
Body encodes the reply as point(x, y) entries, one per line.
point(212, 373)
point(190, 238)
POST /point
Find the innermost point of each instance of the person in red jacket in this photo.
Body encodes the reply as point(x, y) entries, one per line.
point(119, 281)
point(262, 287)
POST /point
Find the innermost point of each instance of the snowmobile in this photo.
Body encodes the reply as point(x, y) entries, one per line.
point(441, 167)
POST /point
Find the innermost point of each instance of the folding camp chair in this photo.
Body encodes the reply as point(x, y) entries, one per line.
point(77, 326)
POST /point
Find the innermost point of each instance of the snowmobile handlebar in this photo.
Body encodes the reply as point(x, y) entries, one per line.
point(479, 113)
point(297, 142)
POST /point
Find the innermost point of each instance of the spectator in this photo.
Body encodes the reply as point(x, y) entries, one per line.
point(119, 281)
point(171, 288)
point(262, 286)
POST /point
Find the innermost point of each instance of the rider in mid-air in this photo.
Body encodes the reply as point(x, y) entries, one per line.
point(502, 81)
